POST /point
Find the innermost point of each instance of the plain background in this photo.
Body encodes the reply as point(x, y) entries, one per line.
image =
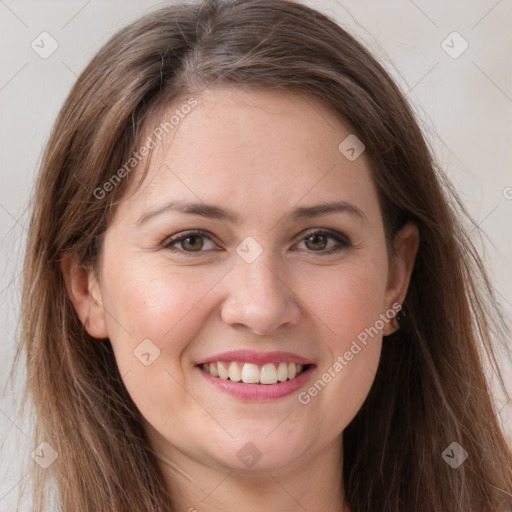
point(464, 104)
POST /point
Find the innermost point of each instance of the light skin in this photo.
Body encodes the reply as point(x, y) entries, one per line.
point(261, 154)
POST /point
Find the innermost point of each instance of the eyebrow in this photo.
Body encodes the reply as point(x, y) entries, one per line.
point(226, 214)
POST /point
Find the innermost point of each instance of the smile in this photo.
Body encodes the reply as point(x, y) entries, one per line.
point(251, 373)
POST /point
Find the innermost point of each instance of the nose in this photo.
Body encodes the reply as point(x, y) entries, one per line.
point(260, 300)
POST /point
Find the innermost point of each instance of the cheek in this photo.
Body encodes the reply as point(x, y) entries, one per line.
point(349, 305)
point(157, 303)
point(154, 313)
point(347, 301)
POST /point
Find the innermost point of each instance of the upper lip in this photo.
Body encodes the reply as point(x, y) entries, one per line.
point(252, 356)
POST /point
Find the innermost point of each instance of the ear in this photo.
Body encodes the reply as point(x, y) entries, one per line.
point(406, 245)
point(84, 292)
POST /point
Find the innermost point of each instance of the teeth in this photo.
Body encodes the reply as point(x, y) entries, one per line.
point(268, 373)
point(214, 370)
point(282, 372)
point(222, 370)
point(234, 372)
point(292, 370)
point(251, 373)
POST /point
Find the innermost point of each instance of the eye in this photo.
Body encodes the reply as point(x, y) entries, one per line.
point(318, 241)
point(193, 241)
point(190, 241)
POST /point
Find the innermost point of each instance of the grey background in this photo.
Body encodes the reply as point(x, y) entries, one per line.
point(464, 103)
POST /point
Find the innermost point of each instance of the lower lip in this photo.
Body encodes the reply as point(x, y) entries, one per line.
point(259, 392)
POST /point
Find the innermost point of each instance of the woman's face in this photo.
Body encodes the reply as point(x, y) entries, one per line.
point(271, 283)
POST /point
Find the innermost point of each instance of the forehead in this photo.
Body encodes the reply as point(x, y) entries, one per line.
point(256, 151)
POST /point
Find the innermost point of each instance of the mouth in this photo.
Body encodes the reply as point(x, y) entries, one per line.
point(257, 376)
point(251, 373)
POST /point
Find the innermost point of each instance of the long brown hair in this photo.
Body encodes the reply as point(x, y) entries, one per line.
point(430, 389)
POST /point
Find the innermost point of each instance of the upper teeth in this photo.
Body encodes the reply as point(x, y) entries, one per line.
point(251, 373)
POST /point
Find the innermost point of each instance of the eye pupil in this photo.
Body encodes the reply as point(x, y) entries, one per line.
point(184, 242)
point(315, 238)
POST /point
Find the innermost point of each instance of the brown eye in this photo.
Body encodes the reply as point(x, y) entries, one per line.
point(316, 241)
point(192, 243)
point(325, 241)
point(189, 242)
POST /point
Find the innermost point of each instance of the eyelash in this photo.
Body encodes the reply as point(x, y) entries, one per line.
point(342, 240)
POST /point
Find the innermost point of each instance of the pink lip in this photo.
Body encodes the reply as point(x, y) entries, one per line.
point(251, 356)
point(259, 392)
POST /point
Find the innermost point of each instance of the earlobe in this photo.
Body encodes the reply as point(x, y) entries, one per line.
point(84, 293)
point(406, 245)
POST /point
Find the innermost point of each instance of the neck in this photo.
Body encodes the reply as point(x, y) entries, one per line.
point(315, 484)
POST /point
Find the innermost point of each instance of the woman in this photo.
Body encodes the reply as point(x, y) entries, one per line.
point(234, 204)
